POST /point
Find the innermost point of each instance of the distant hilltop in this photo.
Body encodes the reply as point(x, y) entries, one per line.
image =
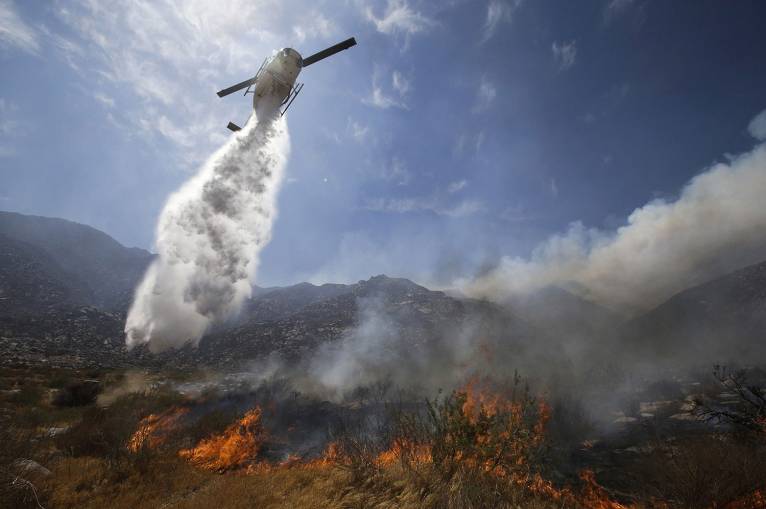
point(65, 289)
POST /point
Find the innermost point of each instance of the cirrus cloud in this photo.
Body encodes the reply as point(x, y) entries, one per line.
point(14, 32)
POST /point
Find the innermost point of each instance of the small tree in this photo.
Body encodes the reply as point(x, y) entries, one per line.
point(749, 414)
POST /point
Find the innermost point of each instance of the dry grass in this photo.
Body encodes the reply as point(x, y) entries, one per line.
point(91, 482)
point(82, 483)
point(93, 474)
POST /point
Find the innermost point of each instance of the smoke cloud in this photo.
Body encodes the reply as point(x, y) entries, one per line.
point(387, 346)
point(209, 236)
point(717, 224)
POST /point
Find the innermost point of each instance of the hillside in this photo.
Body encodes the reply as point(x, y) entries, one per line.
point(32, 282)
point(723, 318)
point(65, 289)
point(103, 271)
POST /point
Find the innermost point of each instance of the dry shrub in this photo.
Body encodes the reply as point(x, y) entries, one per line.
point(357, 454)
point(88, 482)
point(476, 447)
point(29, 394)
point(483, 445)
point(570, 423)
point(357, 441)
point(79, 393)
point(750, 412)
point(705, 471)
point(211, 423)
point(18, 488)
point(105, 432)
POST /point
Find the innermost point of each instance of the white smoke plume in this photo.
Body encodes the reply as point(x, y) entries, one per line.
point(381, 349)
point(717, 224)
point(209, 237)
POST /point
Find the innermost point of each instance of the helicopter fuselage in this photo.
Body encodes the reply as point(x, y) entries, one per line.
point(274, 86)
point(277, 77)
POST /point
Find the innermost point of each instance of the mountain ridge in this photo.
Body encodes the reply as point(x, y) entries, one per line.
point(51, 303)
point(107, 268)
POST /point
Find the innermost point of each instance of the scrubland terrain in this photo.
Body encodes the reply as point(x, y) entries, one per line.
point(124, 439)
point(381, 393)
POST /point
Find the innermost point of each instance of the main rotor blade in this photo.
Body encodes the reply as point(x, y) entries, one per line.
point(234, 88)
point(316, 57)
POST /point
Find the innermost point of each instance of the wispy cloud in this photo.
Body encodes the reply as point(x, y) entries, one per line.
point(357, 131)
point(63, 48)
point(498, 11)
point(165, 59)
point(7, 124)
point(456, 186)
point(379, 98)
point(171, 131)
point(564, 54)
point(441, 203)
point(485, 95)
point(397, 172)
point(466, 142)
point(14, 32)
point(399, 18)
point(104, 99)
point(316, 26)
point(615, 8)
point(408, 205)
point(516, 214)
point(11, 127)
point(631, 10)
point(400, 83)
point(554, 187)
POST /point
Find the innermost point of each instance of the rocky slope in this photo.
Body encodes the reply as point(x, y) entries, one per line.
point(65, 289)
point(99, 270)
point(32, 282)
point(417, 315)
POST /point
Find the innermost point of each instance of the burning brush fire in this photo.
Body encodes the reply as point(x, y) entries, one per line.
point(235, 448)
point(475, 429)
point(154, 429)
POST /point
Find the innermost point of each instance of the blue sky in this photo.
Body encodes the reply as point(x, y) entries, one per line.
point(455, 133)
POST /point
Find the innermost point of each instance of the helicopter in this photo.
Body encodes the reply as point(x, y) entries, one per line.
point(276, 78)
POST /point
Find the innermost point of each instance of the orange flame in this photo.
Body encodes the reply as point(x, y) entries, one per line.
point(590, 496)
point(415, 453)
point(239, 445)
point(235, 448)
point(480, 400)
point(331, 456)
point(154, 429)
point(593, 496)
point(479, 404)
